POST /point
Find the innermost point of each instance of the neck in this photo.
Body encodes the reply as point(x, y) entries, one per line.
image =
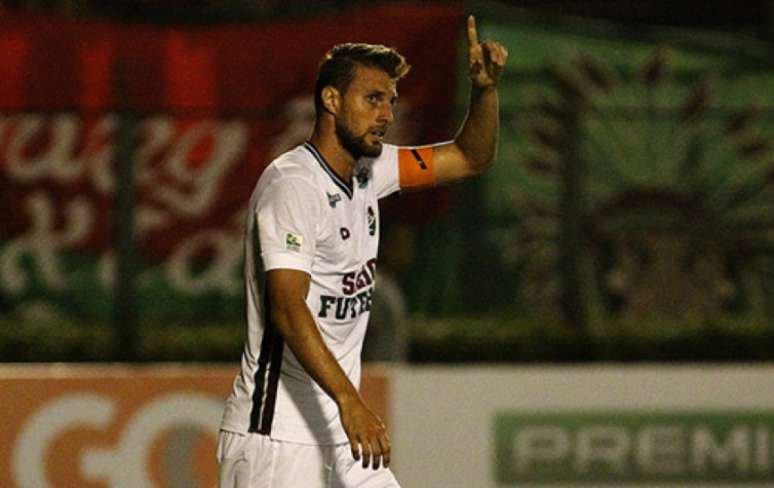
point(338, 158)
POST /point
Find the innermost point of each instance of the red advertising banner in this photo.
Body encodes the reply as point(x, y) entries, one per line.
point(202, 110)
point(118, 426)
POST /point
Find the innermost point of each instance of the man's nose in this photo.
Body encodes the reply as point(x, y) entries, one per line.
point(386, 114)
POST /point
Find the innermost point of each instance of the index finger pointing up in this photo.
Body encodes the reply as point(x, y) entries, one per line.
point(472, 34)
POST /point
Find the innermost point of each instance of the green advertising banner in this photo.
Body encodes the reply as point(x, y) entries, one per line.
point(634, 165)
point(687, 448)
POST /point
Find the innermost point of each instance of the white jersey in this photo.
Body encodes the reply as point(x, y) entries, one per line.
point(303, 216)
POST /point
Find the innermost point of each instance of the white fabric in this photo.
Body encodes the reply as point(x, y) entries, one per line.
point(288, 208)
point(384, 172)
point(301, 218)
point(256, 461)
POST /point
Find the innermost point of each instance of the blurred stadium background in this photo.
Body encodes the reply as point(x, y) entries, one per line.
point(629, 219)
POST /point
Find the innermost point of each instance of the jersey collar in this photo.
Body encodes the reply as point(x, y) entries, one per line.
point(343, 185)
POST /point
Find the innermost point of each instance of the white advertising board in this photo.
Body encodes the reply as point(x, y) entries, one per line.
point(609, 426)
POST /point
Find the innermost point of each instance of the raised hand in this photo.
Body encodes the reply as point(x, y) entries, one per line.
point(486, 60)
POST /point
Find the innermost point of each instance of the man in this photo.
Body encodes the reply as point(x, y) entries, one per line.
point(295, 417)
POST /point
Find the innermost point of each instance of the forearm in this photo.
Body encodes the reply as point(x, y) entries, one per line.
point(298, 328)
point(477, 138)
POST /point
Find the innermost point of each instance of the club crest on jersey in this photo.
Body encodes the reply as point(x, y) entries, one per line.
point(293, 242)
point(371, 221)
point(333, 199)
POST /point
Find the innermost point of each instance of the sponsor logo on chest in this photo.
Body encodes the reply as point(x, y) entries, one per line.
point(357, 288)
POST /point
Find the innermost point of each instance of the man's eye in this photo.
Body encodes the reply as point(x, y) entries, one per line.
point(373, 98)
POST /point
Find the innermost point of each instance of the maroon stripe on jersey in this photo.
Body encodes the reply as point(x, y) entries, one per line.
point(260, 375)
point(267, 361)
point(275, 363)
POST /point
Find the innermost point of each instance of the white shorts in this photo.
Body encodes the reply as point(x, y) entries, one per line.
point(257, 461)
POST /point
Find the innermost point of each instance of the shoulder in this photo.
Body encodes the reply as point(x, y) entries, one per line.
point(295, 162)
point(387, 158)
point(290, 169)
point(389, 153)
point(382, 170)
point(296, 187)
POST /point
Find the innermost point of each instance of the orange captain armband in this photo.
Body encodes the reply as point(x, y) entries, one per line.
point(415, 167)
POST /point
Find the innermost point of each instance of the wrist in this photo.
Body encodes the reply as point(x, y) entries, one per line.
point(345, 398)
point(479, 89)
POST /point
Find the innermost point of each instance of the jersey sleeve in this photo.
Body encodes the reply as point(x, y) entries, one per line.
point(403, 168)
point(288, 213)
point(384, 171)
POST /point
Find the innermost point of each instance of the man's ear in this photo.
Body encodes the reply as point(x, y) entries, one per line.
point(331, 99)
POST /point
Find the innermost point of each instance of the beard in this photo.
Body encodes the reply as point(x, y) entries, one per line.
point(356, 145)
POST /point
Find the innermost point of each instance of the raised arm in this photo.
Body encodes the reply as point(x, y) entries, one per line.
point(474, 148)
point(287, 290)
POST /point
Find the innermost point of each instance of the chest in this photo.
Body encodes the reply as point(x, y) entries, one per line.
point(349, 231)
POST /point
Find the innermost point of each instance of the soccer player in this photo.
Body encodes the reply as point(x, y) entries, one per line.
point(294, 418)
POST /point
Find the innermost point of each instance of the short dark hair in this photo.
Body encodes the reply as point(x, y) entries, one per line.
point(338, 66)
